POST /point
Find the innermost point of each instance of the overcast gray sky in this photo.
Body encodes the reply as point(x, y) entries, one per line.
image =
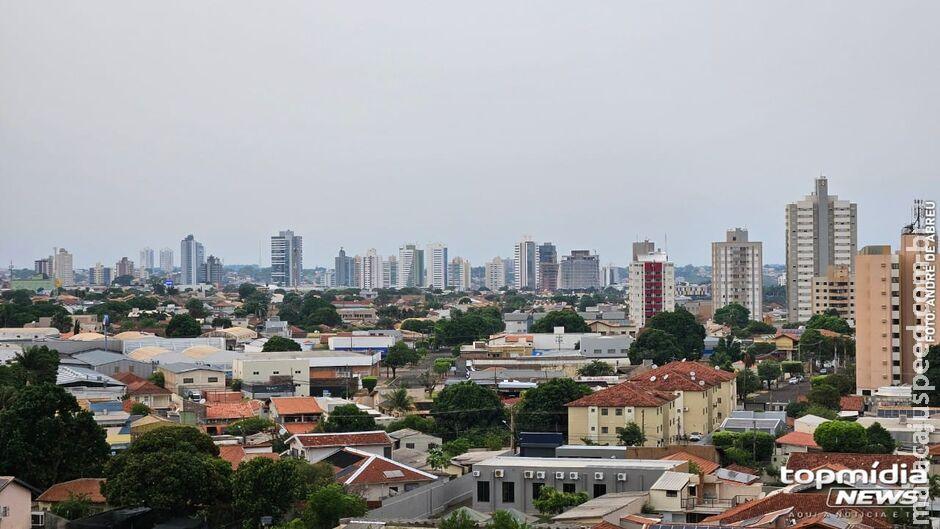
point(369, 124)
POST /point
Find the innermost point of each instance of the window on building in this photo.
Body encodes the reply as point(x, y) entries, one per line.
point(568, 488)
point(254, 373)
point(409, 445)
point(483, 491)
point(213, 379)
point(618, 412)
point(537, 490)
point(604, 411)
point(187, 381)
point(672, 493)
point(604, 429)
point(509, 492)
point(600, 489)
point(117, 369)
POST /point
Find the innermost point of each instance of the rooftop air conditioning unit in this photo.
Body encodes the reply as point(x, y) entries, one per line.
point(498, 473)
point(572, 475)
point(598, 475)
point(559, 475)
point(528, 474)
point(540, 474)
point(622, 476)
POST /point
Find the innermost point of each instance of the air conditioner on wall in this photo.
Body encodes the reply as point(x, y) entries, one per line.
point(498, 473)
point(559, 475)
point(540, 475)
point(598, 475)
point(476, 473)
point(572, 475)
point(622, 476)
point(528, 474)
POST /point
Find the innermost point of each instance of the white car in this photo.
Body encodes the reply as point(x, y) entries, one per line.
point(794, 380)
point(823, 371)
point(695, 437)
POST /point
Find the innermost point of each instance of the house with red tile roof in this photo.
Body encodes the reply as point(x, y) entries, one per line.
point(219, 415)
point(315, 447)
point(375, 477)
point(599, 416)
point(296, 414)
point(236, 454)
point(142, 390)
point(89, 488)
point(804, 505)
point(811, 460)
point(791, 443)
point(707, 395)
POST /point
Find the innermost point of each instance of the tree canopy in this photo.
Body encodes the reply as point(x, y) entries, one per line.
point(656, 345)
point(733, 315)
point(681, 324)
point(330, 503)
point(183, 326)
point(348, 418)
point(463, 328)
point(596, 368)
point(571, 321)
point(265, 487)
point(542, 408)
point(170, 469)
point(631, 435)
point(841, 436)
point(279, 343)
point(466, 406)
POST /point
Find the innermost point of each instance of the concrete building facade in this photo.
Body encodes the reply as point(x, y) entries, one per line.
point(652, 287)
point(286, 259)
point(821, 231)
point(737, 272)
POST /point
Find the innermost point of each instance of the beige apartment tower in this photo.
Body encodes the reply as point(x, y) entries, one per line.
point(835, 291)
point(737, 273)
point(877, 307)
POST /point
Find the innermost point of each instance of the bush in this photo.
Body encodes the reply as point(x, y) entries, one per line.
point(738, 456)
point(841, 436)
point(139, 408)
point(724, 439)
point(551, 501)
point(369, 383)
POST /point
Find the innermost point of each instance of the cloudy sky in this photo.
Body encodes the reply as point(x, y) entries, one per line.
point(371, 124)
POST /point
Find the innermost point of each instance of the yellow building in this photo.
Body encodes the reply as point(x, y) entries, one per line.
point(599, 416)
point(706, 395)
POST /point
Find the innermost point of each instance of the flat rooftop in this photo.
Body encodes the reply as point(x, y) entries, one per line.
point(580, 462)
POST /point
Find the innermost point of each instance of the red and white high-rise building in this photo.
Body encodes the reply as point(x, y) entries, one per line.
point(652, 287)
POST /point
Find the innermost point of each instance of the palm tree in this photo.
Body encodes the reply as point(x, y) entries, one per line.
point(40, 364)
point(398, 401)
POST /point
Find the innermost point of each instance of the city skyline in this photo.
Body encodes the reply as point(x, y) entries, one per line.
point(627, 107)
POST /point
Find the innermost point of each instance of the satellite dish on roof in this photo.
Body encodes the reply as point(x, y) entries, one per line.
point(692, 373)
point(701, 382)
point(665, 376)
point(653, 378)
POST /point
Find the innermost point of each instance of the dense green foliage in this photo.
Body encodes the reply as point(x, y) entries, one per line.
point(631, 435)
point(656, 345)
point(171, 469)
point(596, 368)
point(841, 436)
point(183, 326)
point(733, 315)
point(249, 426)
point(681, 324)
point(571, 321)
point(279, 343)
point(553, 501)
point(467, 407)
point(463, 328)
point(309, 311)
point(826, 396)
point(542, 409)
point(348, 418)
point(264, 487)
point(330, 503)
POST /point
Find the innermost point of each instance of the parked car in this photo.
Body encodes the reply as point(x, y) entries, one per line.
point(695, 437)
point(823, 371)
point(794, 380)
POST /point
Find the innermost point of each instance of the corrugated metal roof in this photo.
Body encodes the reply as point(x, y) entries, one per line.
point(671, 481)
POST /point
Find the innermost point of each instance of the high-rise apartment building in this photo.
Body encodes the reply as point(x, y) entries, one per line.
point(146, 259)
point(835, 291)
point(877, 319)
point(548, 267)
point(43, 267)
point(345, 267)
point(371, 273)
point(287, 259)
point(821, 231)
point(579, 271)
point(494, 274)
point(124, 267)
point(737, 273)
point(214, 271)
point(192, 261)
point(890, 313)
point(390, 272)
point(62, 267)
point(99, 275)
point(166, 260)
point(458, 274)
point(437, 265)
point(652, 287)
point(525, 268)
point(410, 266)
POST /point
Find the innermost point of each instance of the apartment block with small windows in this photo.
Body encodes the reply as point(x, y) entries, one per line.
point(505, 482)
point(599, 416)
point(835, 291)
